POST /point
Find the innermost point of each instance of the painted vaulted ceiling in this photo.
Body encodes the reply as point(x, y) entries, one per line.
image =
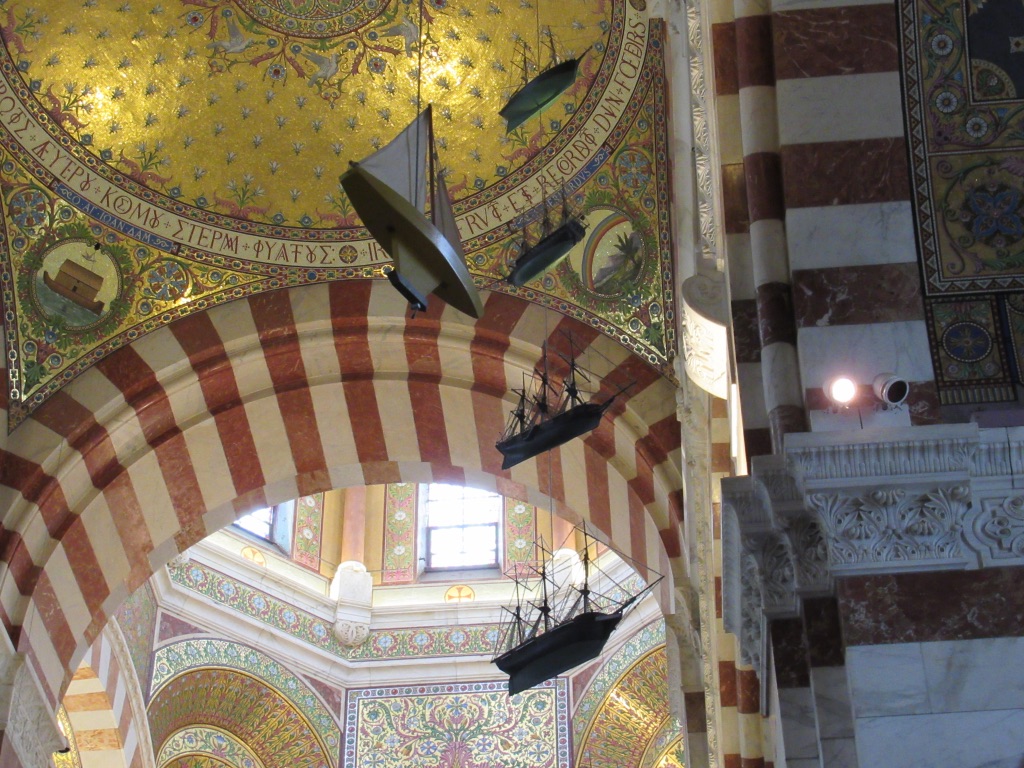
point(164, 156)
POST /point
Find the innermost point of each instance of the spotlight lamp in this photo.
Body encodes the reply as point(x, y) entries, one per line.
point(891, 390)
point(841, 391)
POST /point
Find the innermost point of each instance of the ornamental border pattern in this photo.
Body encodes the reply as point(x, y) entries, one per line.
point(382, 644)
point(177, 658)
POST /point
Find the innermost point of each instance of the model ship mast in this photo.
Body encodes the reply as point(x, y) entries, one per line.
point(556, 623)
point(537, 93)
point(546, 416)
point(554, 243)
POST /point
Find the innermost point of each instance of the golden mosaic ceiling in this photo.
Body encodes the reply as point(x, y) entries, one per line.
point(254, 108)
point(159, 157)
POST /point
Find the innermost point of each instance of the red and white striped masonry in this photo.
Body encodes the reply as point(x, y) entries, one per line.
point(290, 393)
point(855, 275)
point(106, 709)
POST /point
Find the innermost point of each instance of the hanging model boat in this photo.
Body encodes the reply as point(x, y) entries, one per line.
point(554, 244)
point(546, 416)
point(538, 93)
point(559, 619)
point(389, 190)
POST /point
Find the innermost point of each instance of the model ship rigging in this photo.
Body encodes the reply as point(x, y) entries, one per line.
point(557, 622)
point(389, 191)
point(537, 93)
point(554, 244)
point(546, 416)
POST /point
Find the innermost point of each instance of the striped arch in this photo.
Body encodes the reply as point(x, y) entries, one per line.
point(292, 393)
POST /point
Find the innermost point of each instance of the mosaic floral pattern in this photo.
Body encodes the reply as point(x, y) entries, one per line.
point(399, 534)
point(202, 742)
point(968, 359)
point(471, 725)
point(666, 748)
point(641, 643)
point(137, 620)
point(173, 660)
point(520, 535)
point(309, 522)
point(631, 716)
point(408, 643)
point(71, 758)
point(252, 712)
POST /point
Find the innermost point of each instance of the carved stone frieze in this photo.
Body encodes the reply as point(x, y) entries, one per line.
point(997, 529)
point(893, 526)
point(810, 556)
point(778, 576)
point(704, 333)
point(751, 633)
point(27, 721)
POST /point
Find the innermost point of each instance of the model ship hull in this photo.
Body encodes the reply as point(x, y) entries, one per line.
point(546, 435)
point(539, 93)
point(547, 252)
point(558, 650)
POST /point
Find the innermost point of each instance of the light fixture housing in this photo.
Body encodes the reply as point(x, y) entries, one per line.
point(891, 389)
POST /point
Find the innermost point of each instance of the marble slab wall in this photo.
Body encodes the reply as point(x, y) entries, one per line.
point(956, 703)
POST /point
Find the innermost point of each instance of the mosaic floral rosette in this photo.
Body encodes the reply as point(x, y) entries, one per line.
point(399, 534)
point(309, 522)
point(471, 725)
point(200, 742)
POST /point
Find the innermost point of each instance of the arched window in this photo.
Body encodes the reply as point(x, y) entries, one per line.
point(271, 524)
point(462, 527)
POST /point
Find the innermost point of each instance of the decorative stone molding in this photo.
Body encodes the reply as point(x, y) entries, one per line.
point(893, 525)
point(28, 723)
point(352, 586)
point(810, 556)
point(751, 632)
point(998, 530)
point(705, 334)
point(136, 701)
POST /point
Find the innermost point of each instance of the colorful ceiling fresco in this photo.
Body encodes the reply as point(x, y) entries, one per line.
point(964, 81)
point(157, 160)
point(636, 705)
point(255, 714)
point(173, 660)
point(405, 643)
point(469, 725)
point(639, 645)
point(194, 745)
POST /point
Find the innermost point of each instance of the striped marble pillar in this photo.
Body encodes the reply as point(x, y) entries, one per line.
point(856, 283)
point(829, 688)
point(783, 396)
point(796, 712)
point(748, 707)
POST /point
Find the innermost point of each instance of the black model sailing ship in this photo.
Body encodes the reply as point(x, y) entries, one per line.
point(389, 190)
point(562, 615)
point(554, 244)
point(539, 92)
point(546, 416)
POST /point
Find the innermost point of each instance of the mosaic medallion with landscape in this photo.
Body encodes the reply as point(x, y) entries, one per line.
point(159, 159)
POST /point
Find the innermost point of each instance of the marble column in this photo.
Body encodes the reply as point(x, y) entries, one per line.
point(783, 395)
point(830, 694)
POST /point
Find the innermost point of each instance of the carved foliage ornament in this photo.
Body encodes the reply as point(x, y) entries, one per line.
point(1000, 528)
point(893, 525)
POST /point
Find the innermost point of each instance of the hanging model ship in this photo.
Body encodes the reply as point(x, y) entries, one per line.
point(554, 244)
point(547, 416)
point(389, 190)
point(563, 612)
point(537, 93)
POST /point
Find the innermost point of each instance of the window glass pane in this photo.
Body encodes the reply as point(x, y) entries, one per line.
point(463, 547)
point(258, 522)
point(462, 524)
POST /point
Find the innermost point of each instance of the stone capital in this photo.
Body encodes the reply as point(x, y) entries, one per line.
point(28, 723)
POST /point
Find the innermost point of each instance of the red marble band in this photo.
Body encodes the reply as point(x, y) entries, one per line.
point(931, 606)
point(784, 419)
point(754, 57)
point(723, 46)
point(746, 336)
point(775, 314)
point(845, 172)
point(824, 637)
point(758, 442)
point(734, 199)
point(846, 40)
point(880, 293)
point(764, 175)
point(789, 652)
point(696, 715)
